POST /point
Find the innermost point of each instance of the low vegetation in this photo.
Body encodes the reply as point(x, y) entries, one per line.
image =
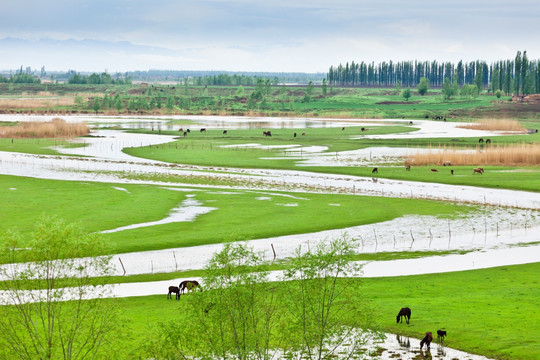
point(494, 155)
point(56, 128)
point(496, 125)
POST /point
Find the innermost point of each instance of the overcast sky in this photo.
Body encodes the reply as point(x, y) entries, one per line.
point(251, 35)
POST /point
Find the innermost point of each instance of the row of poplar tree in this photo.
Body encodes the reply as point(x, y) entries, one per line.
point(519, 75)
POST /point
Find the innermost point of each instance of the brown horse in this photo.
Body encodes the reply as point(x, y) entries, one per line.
point(426, 340)
point(478, 170)
point(189, 285)
point(440, 335)
point(404, 312)
point(375, 170)
point(174, 290)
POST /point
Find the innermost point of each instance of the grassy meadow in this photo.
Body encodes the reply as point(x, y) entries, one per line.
point(238, 215)
point(484, 311)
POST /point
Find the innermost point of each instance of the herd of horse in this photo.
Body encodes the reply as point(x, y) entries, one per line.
point(428, 337)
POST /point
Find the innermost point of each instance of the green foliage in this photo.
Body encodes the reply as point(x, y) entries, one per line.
point(324, 88)
point(447, 89)
point(406, 94)
point(240, 92)
point(96, 105)
point(498, 94)
point(423, 86)
point(41, 324)
point(240, 315)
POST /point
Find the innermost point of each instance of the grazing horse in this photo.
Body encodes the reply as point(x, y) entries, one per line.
point(224, 132)
point(481, 140)
point(203, 130)
point(426, 340)
point(303, 134)
point(478, 170)
point(188, 131)
point(185, 133)
point(408, 167)
point(180, 130)
point(488, 141)
point(410, 122)
point(174, 290)
point(267, 133)
point(451, 171)
point(404, 312)
point(434, 170)
point(343, 128)
point(294, 135)
point(375, 170)
point(189, 285)
point(363, 129)
point(440, 335)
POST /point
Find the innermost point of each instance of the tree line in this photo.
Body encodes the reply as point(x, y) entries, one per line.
point(103, 78)
point(519, 75)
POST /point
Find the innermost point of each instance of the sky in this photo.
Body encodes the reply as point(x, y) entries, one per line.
point(250, 35)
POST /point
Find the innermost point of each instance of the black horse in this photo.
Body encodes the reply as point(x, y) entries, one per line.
point(174, 290)
point(189, 285)
point(404, 312)
point(440, 335)
point(426, 340)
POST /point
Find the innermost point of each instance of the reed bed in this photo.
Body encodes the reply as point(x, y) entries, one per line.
point(496, 155)
point(34, 103)
point(56, 128)
point(497, 125)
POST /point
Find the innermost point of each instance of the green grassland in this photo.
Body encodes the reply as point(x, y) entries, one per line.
point(485, 312)
point(207, 149)
point(37, 146)
point(238, 215)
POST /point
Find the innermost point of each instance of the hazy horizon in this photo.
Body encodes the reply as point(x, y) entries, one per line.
point(243, 35)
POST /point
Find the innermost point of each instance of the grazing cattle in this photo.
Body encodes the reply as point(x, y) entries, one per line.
point(478, 170)
point(294, 135)
point(185, 133)
point(440, 335)
point(375, 170)
point(189, 285)
point(303, 134)
point(224, 132)
point(203, 130)
point(426, 340)
point(434, 170)
point(404, 312)
point(174, 290)
point(488, 141)
point(447, 163)
point(481, 140)
point(408, 167)
point(451, 171)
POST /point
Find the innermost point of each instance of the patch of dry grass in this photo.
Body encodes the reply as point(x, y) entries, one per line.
point(57, 128)
point(496, 125)
point(496, 155)
point(35, 103)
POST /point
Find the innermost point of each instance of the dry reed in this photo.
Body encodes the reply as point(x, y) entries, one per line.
point(496, 155)
point(496, 124)
point(34, 103)
point(57, 128)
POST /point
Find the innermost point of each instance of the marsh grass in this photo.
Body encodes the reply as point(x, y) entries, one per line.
point(56, 128)
point(496, 124)
point(505, 155)
point(34, 103)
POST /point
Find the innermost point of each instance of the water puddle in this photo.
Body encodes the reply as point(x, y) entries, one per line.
point(186, 212)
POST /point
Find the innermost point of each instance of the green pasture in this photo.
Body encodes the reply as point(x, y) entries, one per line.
point(207, 149)
point(36, 146)
point(238, 215)
point(492, 312)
